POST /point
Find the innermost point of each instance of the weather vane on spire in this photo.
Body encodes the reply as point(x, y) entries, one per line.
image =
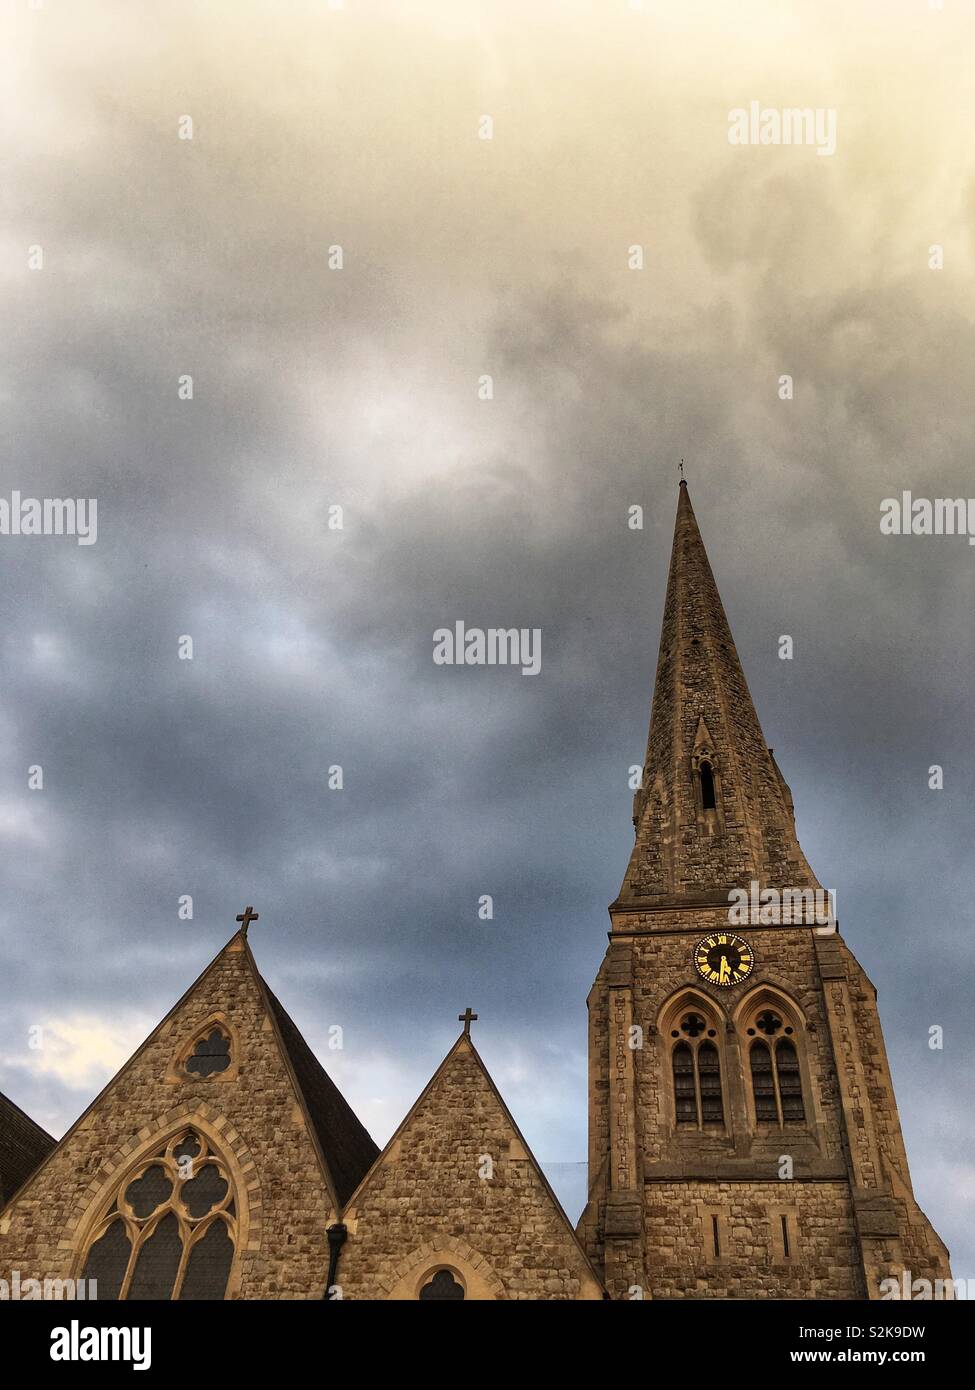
point(682, 468)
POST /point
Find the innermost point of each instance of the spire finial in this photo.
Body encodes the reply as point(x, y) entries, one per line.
point(683, 480)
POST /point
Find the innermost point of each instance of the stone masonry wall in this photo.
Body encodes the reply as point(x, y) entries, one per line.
point(260, 1130)
point(739, 1164)
point(922, 1249)
point(688, 1174)
point(430, 1198)
point(680, 1264)
point(785, 960)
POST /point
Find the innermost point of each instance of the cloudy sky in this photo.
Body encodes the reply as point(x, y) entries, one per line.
point(358, 127)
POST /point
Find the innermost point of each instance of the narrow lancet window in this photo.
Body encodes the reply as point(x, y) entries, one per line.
point(697, 1077)
point(709, 1076)
point(763, 1084)
point(707, 787)
point(790, 1084)
point(685, 1092)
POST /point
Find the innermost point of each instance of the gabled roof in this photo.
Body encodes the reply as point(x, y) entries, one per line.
point(465, 1047)
point(343, 1147)
point(23, 1147)
point(346, 1146)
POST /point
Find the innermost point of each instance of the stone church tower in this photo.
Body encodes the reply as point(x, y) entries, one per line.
point(744, 1140)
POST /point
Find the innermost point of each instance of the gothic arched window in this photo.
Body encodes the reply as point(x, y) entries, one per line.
point(707, 787)
point(763, 1084)
point(210, 1054)
point(776, 1078)
point(709, 1079)
point(442, 1287)
point(790, 1082)
point(171, 1230)
point(685, 1091)
point(696, 1070)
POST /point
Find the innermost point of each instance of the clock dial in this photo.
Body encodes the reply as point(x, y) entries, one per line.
point(724, 959)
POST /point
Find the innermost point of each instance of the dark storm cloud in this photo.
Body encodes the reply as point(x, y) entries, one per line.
point(313, 646)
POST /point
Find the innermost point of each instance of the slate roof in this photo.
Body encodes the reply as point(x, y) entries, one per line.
point(345, 1143)
point(23, 1148)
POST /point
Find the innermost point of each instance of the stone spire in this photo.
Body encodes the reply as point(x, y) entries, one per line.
point(714, 811)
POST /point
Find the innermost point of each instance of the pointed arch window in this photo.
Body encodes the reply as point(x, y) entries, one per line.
point(706, 779)
point(442, 1287)
point(696, 1065)
point(790, 1082)
point(170, 1229)
point(709, 1079)
point(776, 1079)
point(763, 1084)
point(706, 773)
point(210, 1054)
point(685, 1091)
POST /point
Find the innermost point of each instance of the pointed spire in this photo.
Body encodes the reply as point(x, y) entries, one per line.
point(713, 812)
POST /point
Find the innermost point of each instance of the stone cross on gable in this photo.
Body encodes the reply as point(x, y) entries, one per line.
point(246, 917)
point(467, 1018)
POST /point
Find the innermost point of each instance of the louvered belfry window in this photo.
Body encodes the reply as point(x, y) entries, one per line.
point(790, 1083)
point(709, 1076)
point(697, 1073)
point(685, 1092)
point(171, 1231)
point(776, 1083)
point(763, 1084)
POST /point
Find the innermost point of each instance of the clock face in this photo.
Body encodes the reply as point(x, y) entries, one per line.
point(724, 959)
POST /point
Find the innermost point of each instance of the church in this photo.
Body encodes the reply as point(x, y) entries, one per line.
point(744, 1139)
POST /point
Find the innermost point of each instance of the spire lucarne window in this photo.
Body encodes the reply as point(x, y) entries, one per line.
point(170, 1228)
point(707, 787)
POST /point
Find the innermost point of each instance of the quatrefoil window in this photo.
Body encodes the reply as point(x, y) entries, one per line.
point(693, 1025)
point(148, 1192)
point(768, 1023)
point(210, 1055)
point(442, 1287)
point(204, 1191)
point(189, 1148)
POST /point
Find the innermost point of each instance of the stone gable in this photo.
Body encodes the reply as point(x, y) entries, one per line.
point(251, 1114)
point(457, 1188)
